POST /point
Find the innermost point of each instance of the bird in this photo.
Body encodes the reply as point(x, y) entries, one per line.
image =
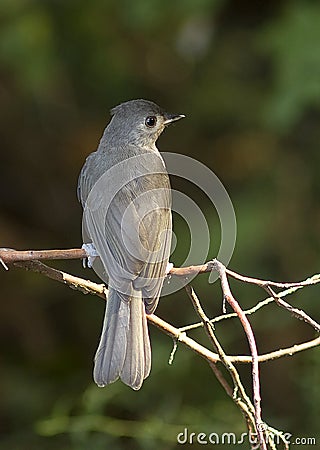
point(125, 192)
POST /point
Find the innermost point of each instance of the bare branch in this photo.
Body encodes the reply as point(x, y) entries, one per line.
point(86, 286)
point(312, 280)
point(243, 401)
point(289, 351)
point(227, 294)
point(178, 334)
point(8, 255)
point(247, 312)
point(298, 313)
point(80, 284)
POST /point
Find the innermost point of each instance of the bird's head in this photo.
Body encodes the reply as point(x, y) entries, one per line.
point(141, 122)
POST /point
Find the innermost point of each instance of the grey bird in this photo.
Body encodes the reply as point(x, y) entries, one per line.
point(125, 192)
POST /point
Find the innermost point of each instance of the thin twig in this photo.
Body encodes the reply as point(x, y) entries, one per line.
point(227, 294)
point(243, 401)
point(289, 351)
point(298, 313)
point(312, 280)
point(247, 312)
point(220, 377)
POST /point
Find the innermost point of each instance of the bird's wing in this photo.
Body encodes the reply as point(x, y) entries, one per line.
point(154, 214)
point(130, 227)
point(88, 177)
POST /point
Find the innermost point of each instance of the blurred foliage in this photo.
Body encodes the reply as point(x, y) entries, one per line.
point(296, 77)
point(247, 76)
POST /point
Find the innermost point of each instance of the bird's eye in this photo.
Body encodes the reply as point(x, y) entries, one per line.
point(151, 121)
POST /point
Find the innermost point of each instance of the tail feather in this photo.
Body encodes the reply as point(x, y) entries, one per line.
point(124, 349)
point(111, 351)
point(137, 363)
point(147, 346)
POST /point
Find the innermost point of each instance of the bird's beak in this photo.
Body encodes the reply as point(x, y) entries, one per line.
point(169, 118)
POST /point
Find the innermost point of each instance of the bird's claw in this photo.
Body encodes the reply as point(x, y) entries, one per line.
point(169, 267)
point(91, 252)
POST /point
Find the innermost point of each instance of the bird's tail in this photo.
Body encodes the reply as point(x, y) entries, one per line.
point(124, 349)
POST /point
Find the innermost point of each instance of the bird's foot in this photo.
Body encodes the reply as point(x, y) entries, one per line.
point(91, 252)
point(169, 267)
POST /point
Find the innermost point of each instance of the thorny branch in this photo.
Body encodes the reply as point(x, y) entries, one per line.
point(30, 260)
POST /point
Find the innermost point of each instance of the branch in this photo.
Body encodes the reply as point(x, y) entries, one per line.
point(25, 260)
point(250, 311)
point(243, 401)
point(8, 256)
point(80, 284)
point(227, 295)
point(298, 313)
point(86, 286)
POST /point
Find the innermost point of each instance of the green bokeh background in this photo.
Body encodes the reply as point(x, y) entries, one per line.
point(247, 76)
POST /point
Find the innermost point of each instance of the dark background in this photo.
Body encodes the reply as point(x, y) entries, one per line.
point(247, 76)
